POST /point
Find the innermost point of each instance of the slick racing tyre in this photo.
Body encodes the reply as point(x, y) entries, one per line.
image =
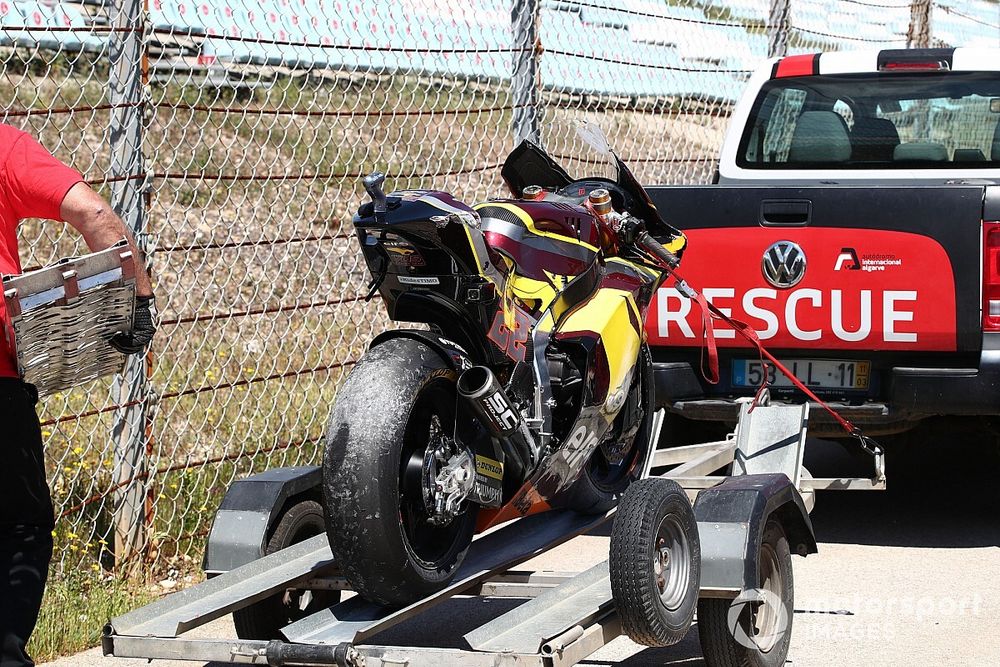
point(603, 480)
point(266, 618)
point(396, 403)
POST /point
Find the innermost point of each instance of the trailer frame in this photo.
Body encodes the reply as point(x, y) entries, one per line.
point(567, 617)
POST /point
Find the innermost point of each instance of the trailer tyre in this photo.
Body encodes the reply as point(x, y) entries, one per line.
point(266, 618)
point(655, 562)
point(754, 630)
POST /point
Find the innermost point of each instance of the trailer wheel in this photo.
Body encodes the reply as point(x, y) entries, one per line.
point(266, 618)
point(655, 562)
point(754, 630)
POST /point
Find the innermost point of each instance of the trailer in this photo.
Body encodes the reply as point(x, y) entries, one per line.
point(258, 565)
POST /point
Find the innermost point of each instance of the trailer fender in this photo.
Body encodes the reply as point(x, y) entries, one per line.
point(249, 511)
point(451, 353)
point(731, 519)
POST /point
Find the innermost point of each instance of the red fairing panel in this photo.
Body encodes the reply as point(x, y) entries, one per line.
point(862, 290)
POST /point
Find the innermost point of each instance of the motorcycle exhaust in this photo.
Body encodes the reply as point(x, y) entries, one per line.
point(481, 390)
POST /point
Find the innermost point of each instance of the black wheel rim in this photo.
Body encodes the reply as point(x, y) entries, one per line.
point(433, 415)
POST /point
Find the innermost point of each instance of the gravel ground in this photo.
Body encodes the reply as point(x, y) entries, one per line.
point(908, 576)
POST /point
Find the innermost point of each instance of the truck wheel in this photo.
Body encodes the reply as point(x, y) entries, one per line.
point(266, 618)
point(397, 404)
point(655, 562)
point(602, 483)
point(754, 630)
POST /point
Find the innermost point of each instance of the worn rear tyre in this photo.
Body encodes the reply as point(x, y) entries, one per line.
point(655, 562)
point(397, 397)
point(266, 618)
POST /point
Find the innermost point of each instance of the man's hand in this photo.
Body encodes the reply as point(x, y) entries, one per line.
point(143, 328)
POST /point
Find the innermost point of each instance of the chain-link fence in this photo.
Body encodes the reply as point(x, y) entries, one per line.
point(232, 135)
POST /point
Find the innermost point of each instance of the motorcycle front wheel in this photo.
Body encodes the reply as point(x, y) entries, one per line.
point(397, 401)
point(602, 483)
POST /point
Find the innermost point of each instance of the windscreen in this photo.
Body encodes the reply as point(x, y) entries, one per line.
point(875, 121)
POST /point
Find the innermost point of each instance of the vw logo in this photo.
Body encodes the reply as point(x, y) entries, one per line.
point(784, 264)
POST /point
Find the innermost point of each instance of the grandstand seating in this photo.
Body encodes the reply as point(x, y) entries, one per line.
point(18, 18)
point(634, 47)
point(10, 18)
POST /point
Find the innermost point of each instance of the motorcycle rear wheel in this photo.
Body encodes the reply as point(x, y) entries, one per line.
point(397, 399)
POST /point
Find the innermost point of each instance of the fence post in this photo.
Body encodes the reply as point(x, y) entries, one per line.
point(126, 92)
point(778, 26)
point(918, 36)
point(524, 82)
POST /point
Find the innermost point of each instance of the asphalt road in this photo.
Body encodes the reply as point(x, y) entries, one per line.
point(906, 576)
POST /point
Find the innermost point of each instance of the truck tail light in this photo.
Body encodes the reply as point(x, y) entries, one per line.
point(991, 276)
point(929, 66)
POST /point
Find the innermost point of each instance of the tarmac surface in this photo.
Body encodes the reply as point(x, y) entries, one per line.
point(906, 576)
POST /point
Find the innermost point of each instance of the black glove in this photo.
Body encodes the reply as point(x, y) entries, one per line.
point(143, 328)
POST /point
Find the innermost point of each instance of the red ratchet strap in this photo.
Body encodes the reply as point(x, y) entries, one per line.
point(708, 311)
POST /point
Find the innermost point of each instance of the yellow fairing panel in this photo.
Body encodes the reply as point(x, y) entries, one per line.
point(676, 244)
point(612, 314)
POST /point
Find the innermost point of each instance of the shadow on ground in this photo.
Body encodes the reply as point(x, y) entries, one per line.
point(942, 489)
point(942, 492)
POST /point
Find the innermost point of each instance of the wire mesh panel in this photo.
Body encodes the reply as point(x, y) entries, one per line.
point(659, 78)
point(265, 117)
point(254, 122)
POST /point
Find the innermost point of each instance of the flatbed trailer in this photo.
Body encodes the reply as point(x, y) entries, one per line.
point(567, 617)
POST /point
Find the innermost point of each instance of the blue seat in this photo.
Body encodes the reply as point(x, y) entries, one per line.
point(10, 17)
point(70, 15)
point(177, 16)
point(42, 16)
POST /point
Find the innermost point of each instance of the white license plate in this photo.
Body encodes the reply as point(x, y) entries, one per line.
point(820, 373)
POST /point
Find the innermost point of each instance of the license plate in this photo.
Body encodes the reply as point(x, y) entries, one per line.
point(819, 373)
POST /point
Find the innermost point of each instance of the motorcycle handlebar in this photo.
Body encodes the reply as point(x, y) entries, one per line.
point(650, 245)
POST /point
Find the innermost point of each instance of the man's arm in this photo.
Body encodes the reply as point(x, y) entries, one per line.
point(89, 214)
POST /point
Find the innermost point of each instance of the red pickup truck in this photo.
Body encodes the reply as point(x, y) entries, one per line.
point(855, 225)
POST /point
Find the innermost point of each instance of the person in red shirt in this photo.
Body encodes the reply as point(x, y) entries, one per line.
point(34, 184)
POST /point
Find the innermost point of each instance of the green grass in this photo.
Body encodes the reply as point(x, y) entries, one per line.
point(77, 605)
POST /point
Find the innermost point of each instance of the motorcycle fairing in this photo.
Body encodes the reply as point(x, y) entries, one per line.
point(528, 165)
point(526, 235)
point(608, 327)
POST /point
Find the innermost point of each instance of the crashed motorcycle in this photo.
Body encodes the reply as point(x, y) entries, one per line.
point(529, 388)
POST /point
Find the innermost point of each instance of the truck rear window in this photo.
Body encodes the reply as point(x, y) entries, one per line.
point(875, 121)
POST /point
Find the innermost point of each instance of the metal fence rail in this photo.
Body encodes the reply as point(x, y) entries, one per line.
point(232, 135)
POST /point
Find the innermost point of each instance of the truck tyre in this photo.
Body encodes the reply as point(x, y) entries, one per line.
point(655, 562)
point(397, 402)
point(754, 630)
point(601, 484)
point(266, 618)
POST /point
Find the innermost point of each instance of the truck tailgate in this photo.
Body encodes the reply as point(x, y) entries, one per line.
point(851, 268)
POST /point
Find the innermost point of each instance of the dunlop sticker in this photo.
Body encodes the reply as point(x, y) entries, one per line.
point(489, 467)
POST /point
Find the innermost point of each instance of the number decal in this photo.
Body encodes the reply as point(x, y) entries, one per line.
point(513, 343)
